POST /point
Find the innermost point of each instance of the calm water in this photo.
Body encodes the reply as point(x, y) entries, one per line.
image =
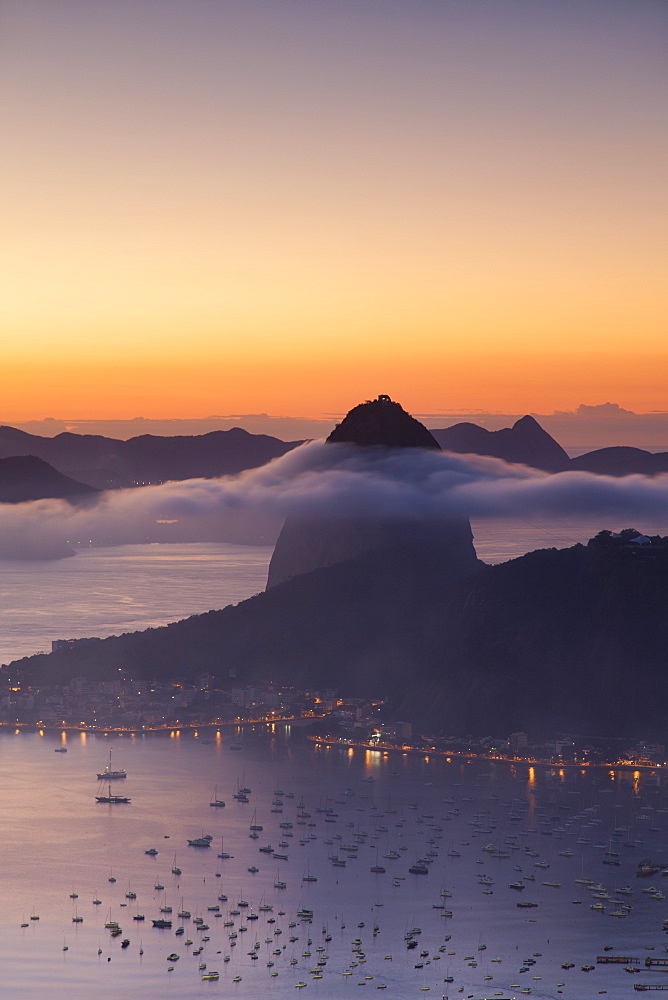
point(481, 826)
point(107, 591)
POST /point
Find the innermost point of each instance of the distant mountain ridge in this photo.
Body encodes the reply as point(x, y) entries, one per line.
point(527, 443)
point(621, 461)
point(109, 463)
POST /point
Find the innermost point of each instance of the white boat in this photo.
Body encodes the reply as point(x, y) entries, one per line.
point(109, 774)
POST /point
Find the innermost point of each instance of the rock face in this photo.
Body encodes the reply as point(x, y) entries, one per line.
point(306, 544)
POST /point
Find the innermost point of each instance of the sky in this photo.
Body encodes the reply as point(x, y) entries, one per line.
point(289, 206)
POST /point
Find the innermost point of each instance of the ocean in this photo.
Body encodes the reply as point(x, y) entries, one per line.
point(108, 591)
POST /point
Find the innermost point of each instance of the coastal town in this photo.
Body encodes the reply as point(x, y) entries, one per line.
point(125, 704)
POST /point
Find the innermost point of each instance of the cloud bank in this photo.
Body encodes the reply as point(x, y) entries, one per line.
point(326, 480)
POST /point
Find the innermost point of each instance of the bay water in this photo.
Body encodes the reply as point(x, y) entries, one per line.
point(330, 815)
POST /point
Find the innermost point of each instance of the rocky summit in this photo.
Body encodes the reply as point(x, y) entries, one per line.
point(306, 544)
point(382, 422)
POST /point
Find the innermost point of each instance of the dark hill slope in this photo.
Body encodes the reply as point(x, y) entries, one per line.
point(24, 477)
point(573, 639)
point(621, 461)
point(525, 443)
point(358, 626)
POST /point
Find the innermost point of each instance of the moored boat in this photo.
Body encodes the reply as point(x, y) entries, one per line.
point(204, 841)
point(110, 774)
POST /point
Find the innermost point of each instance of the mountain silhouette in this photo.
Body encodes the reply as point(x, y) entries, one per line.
point(621, 461)
point(526, 443)
point(25, 477)
point(108, 463)
point(308, 543)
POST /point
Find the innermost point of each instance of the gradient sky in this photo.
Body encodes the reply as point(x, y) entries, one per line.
point(291, 205)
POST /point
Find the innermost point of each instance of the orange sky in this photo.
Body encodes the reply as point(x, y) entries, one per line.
point(253, 206)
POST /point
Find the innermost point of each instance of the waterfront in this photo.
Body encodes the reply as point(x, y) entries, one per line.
point(480, 826)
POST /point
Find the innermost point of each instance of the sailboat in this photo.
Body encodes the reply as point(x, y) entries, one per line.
point(109, 797)
point(215, 801)
point(109, 774)
point(377, 869)
point(255, 827)
point(175, 870)
point(307, 877)
point(278, 884)
point(223, 854)
point(241, 794)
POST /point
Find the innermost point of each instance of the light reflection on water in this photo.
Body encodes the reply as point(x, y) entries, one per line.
point(57, 840)
point(108, 591)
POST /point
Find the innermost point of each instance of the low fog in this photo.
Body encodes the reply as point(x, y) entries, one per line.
point(328, 480)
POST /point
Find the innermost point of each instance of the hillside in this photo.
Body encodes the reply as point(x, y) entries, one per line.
point(25, 477)
point(621, 461)
point(572, 639)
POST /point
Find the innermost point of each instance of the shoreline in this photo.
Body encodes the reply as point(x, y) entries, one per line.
point(336, 743)
point(73, 727)
point(530, 762)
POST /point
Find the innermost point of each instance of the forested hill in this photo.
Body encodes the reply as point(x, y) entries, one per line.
point(573, 639)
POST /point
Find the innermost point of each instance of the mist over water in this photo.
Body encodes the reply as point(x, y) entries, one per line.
point(335, 480)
